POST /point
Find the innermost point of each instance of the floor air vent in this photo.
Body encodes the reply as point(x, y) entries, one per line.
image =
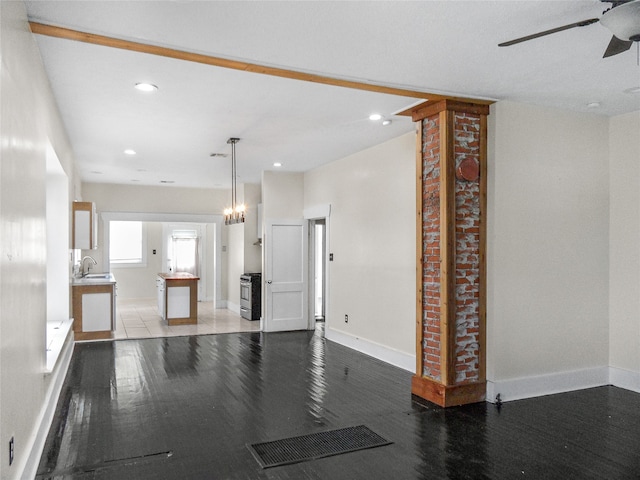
point(316, 445)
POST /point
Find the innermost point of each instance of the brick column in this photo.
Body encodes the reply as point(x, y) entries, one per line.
point(451, 182)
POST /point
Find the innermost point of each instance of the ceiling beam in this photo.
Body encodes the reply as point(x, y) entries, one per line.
point(69, 34)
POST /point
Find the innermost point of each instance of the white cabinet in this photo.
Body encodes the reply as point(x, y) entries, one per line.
point(96, 312)
point(178, 302)
point(178, 298)
point(160, 286)
point(85, 226)
point(94, 309)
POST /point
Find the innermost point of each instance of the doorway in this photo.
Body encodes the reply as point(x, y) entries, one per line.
point(210, 246)
point(183, 252)
point(287, 305)
point(319, 268)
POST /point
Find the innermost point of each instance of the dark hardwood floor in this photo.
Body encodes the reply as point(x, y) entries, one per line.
point(186, 407)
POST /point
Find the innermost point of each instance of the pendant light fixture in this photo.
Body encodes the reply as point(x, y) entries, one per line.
point(234, 214)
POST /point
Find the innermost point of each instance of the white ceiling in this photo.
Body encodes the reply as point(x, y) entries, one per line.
point(434, 46)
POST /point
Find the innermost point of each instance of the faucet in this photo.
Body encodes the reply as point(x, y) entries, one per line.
point(82, 264)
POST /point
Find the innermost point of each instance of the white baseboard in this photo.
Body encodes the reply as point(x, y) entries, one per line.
point(375, 350)
point(39, 437)
point(536, 386)
point(234, 307)
point(624, 379)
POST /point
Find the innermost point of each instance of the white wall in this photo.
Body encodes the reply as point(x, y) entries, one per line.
point(124, 198)
point(282, 195)
point(252, 253)
point(186, 201)
point(58, 260)
point(235, 267)
point(242, 255)
point(160, 200)
point(282, 198)
point(624, 250)
point(372, 237)
point(30, 121)
point(146, 199)
point(547, 250)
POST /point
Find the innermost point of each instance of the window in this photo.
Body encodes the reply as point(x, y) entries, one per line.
point(127, 243)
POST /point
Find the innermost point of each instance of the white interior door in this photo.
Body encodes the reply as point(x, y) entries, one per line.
point(184, 251)
point(286, 276)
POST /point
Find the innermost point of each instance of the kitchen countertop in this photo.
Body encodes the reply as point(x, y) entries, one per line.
point(102, 279)
point(178, 276)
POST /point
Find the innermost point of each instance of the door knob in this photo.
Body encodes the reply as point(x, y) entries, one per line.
point(269, 282)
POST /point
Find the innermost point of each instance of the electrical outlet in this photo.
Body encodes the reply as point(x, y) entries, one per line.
point(11, 450)
point(346, 319)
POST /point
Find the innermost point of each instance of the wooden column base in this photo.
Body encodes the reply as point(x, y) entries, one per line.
point(448, 395)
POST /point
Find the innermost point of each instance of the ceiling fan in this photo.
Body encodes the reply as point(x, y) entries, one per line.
point(622, 19)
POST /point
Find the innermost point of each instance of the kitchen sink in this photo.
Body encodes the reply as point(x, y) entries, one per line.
point(97, 275)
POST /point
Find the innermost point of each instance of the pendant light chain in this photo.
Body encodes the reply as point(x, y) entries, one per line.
point(233, 176)
point(235, 214)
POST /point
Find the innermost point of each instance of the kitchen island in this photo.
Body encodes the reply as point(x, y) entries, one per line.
point(178, 298)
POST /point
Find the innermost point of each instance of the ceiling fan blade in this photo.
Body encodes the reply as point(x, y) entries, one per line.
point(617, 46)
point(583, 23)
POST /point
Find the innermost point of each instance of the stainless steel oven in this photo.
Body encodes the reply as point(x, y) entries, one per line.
point(250, 296)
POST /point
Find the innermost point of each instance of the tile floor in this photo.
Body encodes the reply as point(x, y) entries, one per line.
point(139, 318)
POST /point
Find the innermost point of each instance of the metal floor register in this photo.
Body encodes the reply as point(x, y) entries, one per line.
point(316, 445)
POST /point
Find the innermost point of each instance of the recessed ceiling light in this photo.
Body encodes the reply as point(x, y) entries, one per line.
point(146, 87)
point(141, 170)
point(635, 90)
point(375, 117)
point(593, 105)
point(224, 155)
point(135, 180)
point(386, 122)
point(129, 151)
point(277, 164)
point(167, 181)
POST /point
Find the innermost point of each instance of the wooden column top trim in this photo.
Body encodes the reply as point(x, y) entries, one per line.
point(427, 109)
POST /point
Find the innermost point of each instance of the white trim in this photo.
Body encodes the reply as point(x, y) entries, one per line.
point(381, 352)
point(216, 219)
point(320, 212)
point(57, 333)
point(39, 437)
point(312, 272)
point(161, 217)
point(624, 379)
point(536, 386)
point(317, 211)
point(327, 272)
